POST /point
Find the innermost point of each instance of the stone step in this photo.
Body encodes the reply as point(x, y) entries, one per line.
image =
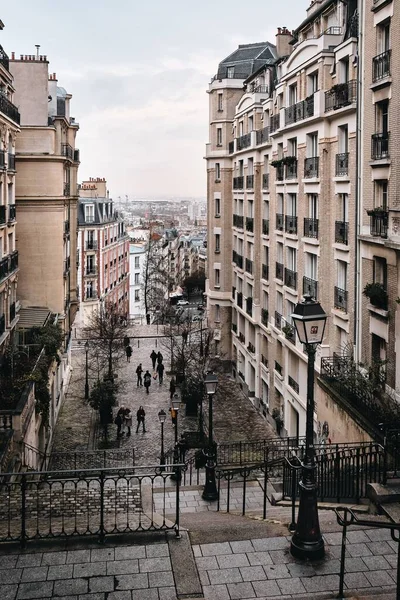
point(392, 511)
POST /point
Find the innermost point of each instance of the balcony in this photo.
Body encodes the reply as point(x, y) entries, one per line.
point(279, 221)
point(90, 295)
point(76, 156)
point(12, 312)
point(251, 348)
point(11, 162)
point(381, 66)
point(262, 136)
point(4, 60)
point(9, 109)
point(377, 294)
point(244, 141)
point(13, 261)
point(250, 224)
point(341, 232)
point(67, 189)
point(340, 299)
point(311, 228)
point(2, 159)
point(91, 271)
point(311, 167)
point(239, 299)
point(291, 224)
point(265, 181)
point(67, 151)
point(293, 384)
point(238, 182)
point(2, 324)
point(291, 170)
point(241, 339)
point(265, 226)
point(279, 268)
point(3, 218)
point(265, 272)
point(238, 221)
point(231, 147)
point(249, 182)
point(4, 268)
point(278, 320)
point(249, 266)
point(291, 279)
point(299, 111)
point(91, 245)
point(340, 95)
point(274, 123)
point(264, 361)
point(249, 306)
point(264, 316)
point(12, 213)
point(342, 164)
point(379, 219)
point(238, 259)
point(380, 145)
point(310, 287)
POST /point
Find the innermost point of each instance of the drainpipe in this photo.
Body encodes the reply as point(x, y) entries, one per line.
point(358, 188)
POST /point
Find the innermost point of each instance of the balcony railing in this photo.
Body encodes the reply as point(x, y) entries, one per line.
point(279, 221)
point(342, 164)
point(67, 189)
point(249, 182)
point(293, 384)
point(239, 299)
point(11, 161)
point(242, 338)
point(244, 141)
point(340, 299)
point(3, 218)
point(231, 147)
point(2, 324)
point(340, 95)
point(274, 123)
point(291, 279)
point(264, 316)
point(91, 271)
point(291, 224)
point(91, 295)
point(238, 259)
point(251, 348)
point(265, 226)
point(278, 320)
point(91, 245)
point(341, 232)
point(4, 268)
point(299, 111)
point(311, 167)
point(13, 261)
point(381, 66)
point(238, 182)
point(12, 213)
point(380, 145)
point(311, 228)
point(67, 151)
point(291, 170)
point(2, 159)
point(249, 306)
point(262, 136)
point(279, 268)
point(289, 331)
point(250, 224)
point(249, 266)
point(4, 60)
point(238, 221)
point(12, 312)
point(265, 272)
point(265, 181)
point(379, 220)
point(310, 287)
point(280, 173)
point(9, 109)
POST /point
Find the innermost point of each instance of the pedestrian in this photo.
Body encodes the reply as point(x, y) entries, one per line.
point(160, 371)
point(119, 421)
point(153, 357)
point(148, 318)
point(128, 420)
point(147, 381)
point(140, 415)
point(172, 388)
point(128, 351)
point(159, 357)
point(139, 372)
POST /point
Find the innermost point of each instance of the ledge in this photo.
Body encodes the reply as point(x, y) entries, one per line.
point(378, 311)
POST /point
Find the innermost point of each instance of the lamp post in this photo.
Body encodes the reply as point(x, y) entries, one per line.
point(176, 405)
point(87, 371)
point(162, 415)
point(210, 487)
point(309, 319)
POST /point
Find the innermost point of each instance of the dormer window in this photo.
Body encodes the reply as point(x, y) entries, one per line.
point(89, 213)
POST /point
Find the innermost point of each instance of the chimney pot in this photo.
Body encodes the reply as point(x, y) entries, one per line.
point(279, 30)
point(12, 55)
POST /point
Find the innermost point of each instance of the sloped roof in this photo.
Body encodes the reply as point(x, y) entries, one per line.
point(33, 316)
point(247, 59)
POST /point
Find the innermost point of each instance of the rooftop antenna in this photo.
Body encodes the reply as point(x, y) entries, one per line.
point(37, 46)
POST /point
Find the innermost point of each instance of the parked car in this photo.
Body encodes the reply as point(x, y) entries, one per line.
point(183, 302)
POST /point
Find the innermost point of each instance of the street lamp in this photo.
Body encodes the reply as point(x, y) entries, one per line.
point(87, 371)
point(175, 406)
point(210, 487)
point(162, 415)
point(309, 318)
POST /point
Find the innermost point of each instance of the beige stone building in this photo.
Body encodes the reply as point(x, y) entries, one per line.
point(9, 128)
point(46, 190)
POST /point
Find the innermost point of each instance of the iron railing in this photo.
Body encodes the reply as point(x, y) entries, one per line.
point(262, 136)
point(310, 287)
point(238, 182)
point(274, 123)
point(279, 221)
point(91, 459)
point(291, 170)
point(381, 66)
point(91, 245)
point(250, 224)
point(4, 60)
point(291, 279)
point(238, 221)
point(11, 161)
point(249, 182)
point(291, 224)
point(379, 222)
point(12, 212)
point(299, 111)
point(340, 95)
point(244, 141)
point(3, 219)
point(288, 330)
point(380, 145)
point(311, 167)
point(310, 228)
point(341, 232)
point(265, 226)
point(340, 298)
point(279, 268)
point(67, 151)
point(9, 109)
point(342, 164)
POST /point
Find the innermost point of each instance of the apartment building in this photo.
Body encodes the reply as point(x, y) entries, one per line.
point(9, 128)
point(103, 245)
point(137, 260)
point(281, 205)
point(46, 190)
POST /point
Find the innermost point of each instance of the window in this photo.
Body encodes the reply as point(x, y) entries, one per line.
point(344, 70)
point(137, 262)
point(90, 263)
point(219, 102)
point(230, 72)
point(250, 167)
point(219, 136)
point(217, 207)
point(312, 266)
point(217, 171)
point(380, 271)
point(342, 275)
point(313, 83)
point(383, 37)
point(292, 205)
point(312, 145)
point(279, 253)
point(137, 295)
point(250, 124)
point(240, 128)
point(343, 139)
point(137, 278)
point(381, 193)
point(241, 168)
point(290, 306)
point(313, 206)
point(217, 312)
point(344, 207)
point(382, 117)
point(217, 278)
point(292, 147)
point(89, 213)
point(292, 97)
point(217, 242)
point(291, 262)
point(279, 302)
point(280, 204)
point(250, 209)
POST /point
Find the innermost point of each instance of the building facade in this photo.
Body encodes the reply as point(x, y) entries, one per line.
point(137, 258)
point(103, 245)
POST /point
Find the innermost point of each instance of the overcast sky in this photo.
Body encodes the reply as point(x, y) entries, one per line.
point(138, 73)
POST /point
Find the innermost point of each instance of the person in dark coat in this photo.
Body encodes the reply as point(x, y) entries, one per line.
point(153, 357)
point(147, 381)
point(119, 421)
point(148, 318)
point(140, 416)
point(128, 351)
point(159, 357)
point(160, 372)
point(172, 388)
point(139, 372)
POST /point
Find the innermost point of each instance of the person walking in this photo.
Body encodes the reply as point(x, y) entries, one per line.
point(147, 381)
point(153, 357)
point(128, 351)
point(140, 416)
point(128, 420)
point(119, 421)
point(139, 372)
point(160, 372)
point(172, 388)
point(159, 357)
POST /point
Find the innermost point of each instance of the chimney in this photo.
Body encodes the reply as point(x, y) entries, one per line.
point(12, 55)
point(283, 37)
point(37, 46)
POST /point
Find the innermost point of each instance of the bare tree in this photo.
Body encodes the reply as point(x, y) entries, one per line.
point(156, 281)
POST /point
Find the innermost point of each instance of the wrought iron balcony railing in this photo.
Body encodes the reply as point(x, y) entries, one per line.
point(311, 167)
point(340, 298)
point(238, 182)
point(262, 136)
point(238, 221)
point(244, 141)
point(279, 221)
point(249, 266)
point(340, 95)
point(310, 287)
point(291, 279)
point(9, 109)
point(291, 224)
point(293, 384)
point(380, 145)
point(249, 182)
point(341, 232)
point(91, 245)
point(274, 123)
point(67, 151)
point(265, 272)
point(291, 170)
point(13, 261)
point(379, 220)
point(265, 181)
point(311, 228)
point(265, 226)
point(250, 224)
point(381, 66)
point(299, 111)
point(3, 216)
point(12, 213)
point(279, 269)
point(342, 164)
point(278, 320)
point(4, 60)
point(289, 331)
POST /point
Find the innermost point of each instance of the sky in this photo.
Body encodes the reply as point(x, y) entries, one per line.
point(138, 73)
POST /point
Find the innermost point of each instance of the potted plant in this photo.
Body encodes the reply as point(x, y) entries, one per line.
point(288, 330)
point(289, 160)
point(378, 210)
point(276, 415)
point(377, 294)
point(277, 163)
